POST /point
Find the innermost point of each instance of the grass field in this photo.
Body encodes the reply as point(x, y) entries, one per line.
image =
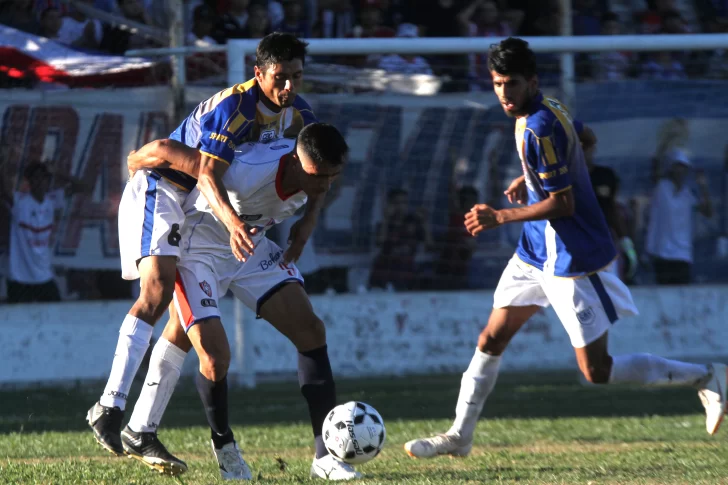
point(542, 428)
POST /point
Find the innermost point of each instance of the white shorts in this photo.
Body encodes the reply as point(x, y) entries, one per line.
point(587, 306)
point(150, 220)
point(202, 279)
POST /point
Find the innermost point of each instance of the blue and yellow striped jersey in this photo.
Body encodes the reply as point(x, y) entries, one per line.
point(232, 117)
point(553, 161)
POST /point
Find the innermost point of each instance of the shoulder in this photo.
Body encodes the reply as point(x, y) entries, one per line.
point(241, 98)
point(301, 104)
point(541, 123)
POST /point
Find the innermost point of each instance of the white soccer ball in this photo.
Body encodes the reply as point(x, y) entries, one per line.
point(354, 432)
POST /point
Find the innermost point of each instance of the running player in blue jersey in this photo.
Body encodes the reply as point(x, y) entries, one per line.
point(562, 260)
point(263, 109)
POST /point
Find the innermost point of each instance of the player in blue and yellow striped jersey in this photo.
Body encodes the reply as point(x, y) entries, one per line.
point(560, 260)
point(150, 217)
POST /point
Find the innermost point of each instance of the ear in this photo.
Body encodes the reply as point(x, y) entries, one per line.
point(258, 73)
point(533, 83)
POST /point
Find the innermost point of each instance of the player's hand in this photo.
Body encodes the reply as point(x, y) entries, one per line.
point(516, 192)
point(241, 240)
point(481, 218)
point(301, 231)
point(632, 259)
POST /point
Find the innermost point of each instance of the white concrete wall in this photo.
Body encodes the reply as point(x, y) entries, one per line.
point(371, 334)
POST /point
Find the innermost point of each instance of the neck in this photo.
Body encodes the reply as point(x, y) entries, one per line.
point(37, 195)
point(289, 181)
point(270, 104)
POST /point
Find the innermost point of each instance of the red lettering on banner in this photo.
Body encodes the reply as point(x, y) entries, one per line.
point(59, 126)
point(101, 168)
point(152, 126)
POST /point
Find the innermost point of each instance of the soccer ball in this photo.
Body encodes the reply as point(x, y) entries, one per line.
point(354, 432)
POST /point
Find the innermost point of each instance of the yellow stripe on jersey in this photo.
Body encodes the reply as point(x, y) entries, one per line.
point(563, 116)
point(214, 156)
point(548, 150)
point(553, 173)
point(562, 190)
point(237, 122)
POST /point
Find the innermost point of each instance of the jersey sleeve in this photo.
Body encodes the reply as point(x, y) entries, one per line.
point(547, 156)
point(305, 111)
point(57, 198)
point(578, 126)
point(224, 127)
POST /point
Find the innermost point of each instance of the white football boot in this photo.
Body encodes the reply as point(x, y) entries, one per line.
point(442, 444)
point(232, 465)
point(329, 468)
point(713, 396)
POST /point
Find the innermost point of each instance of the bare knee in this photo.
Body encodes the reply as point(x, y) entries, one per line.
point(214, 365)
point(311, 334)
point(597, 372)
point(157, 290)
point(492, 342)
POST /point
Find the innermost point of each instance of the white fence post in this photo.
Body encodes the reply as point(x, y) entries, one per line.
point(244, 346)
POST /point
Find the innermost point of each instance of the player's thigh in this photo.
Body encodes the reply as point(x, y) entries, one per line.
point(594, 359)
point(157, 276)
point(150, 220)
point(588, 306)
point(273, 289)
point(174, 333)
point(289, 310)
point(503, 324)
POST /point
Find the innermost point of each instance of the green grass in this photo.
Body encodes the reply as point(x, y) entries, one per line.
point(543, 428)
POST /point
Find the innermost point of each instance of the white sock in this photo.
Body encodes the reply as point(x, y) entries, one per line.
point(134, 337)
point(165, 367)
point(651, 370)
point(477, 383)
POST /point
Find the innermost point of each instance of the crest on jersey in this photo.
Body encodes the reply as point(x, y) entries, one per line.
point(267, 136)
point(205, 286)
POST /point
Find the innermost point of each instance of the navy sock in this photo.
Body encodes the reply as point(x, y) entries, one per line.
point(317, 386)
point(214, 398)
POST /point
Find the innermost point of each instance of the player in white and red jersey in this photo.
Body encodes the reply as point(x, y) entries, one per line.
point(151, 216)
point(562, 260)
point(266, 183)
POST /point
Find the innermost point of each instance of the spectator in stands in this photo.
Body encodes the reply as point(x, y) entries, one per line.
point(611, 66)
point(651, 20)
point(453, 264)
point(439, 18)
point(31, 275)
point(203, 26)
point(586, 17)
point(50, 23)
point(399, 236)
point(371, 21)
point(405, 64)
point(77, 30)
point(663, 66)
point(293, 21)
point(117, 40)
point(482, 18)
point(334, 18)
point(233, 21)
point(259, 22)
point(18, 14)
point(670, 228)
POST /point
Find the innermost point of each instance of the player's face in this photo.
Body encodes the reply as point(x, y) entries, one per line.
point(280, 82)
point(514, 92)
point(316, 180)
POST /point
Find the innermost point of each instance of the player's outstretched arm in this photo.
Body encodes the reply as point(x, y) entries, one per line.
point(165, 153)
point(210, 184)
point(483, 217)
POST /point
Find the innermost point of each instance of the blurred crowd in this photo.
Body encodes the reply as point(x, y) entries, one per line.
point(211, 22)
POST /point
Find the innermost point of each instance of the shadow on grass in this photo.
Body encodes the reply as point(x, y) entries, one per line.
point(533, 395)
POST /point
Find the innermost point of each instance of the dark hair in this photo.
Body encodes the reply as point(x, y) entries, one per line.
point(396, 192)
point(512, 56)
point(324, 144)
point(36, 170)
point(279, 47)
point(610, 17)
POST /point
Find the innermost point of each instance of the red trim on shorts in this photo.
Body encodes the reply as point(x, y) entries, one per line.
point(279, 180)
point(183, 302)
